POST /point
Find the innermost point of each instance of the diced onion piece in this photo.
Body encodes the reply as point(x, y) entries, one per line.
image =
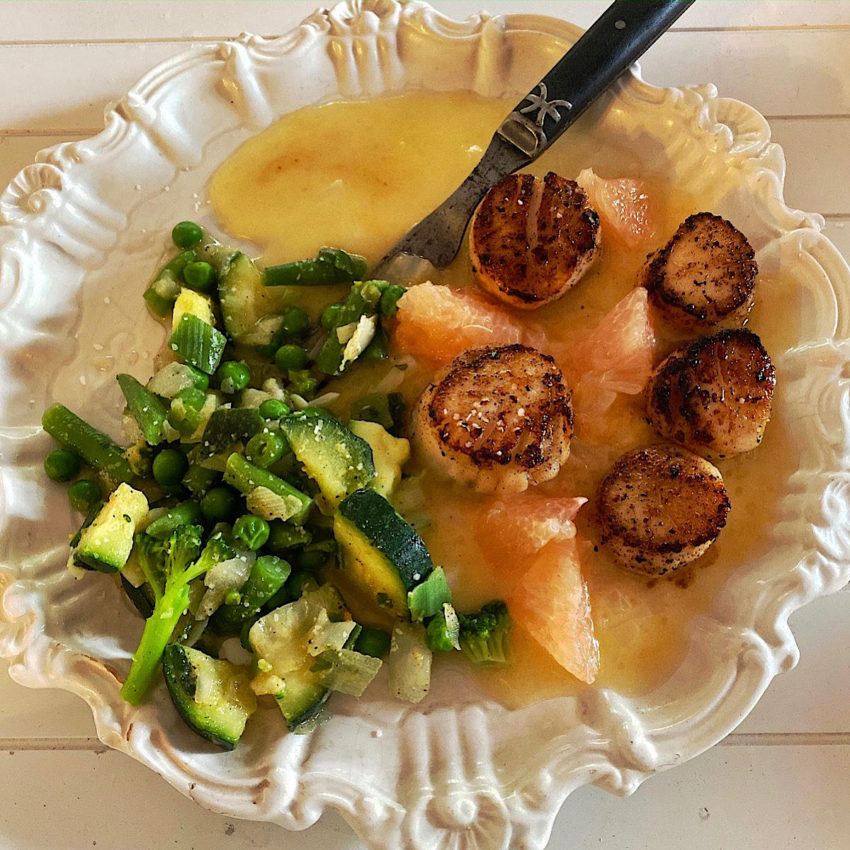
point(409, 663)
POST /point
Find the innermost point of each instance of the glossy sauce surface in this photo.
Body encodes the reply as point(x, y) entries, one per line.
point(357, 175)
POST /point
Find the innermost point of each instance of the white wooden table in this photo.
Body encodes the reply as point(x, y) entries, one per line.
point(783, 779)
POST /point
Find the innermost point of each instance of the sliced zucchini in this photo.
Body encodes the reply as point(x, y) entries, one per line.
point(281, 641)
point(228, 426)
point(382, 553)
point(213, 696)
point(105, 545)
point(251, 312)
point(389, 454)
point(192, 303)
point(338, 460)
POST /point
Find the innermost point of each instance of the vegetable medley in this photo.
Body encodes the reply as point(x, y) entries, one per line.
point(243, 512)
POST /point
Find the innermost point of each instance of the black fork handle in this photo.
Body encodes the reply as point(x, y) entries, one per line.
point(626, 30)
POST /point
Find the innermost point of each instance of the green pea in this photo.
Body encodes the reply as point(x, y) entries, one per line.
point(169, 467)
point(186, 234)
point(83, 495)
point(233, 376)
point(302, 382)
point(192, 397)
point(273, 408)
point(372, 642)
point(219, 504)
point(437, 635)
point(251, 531)
point(266, 448)
point(290, 357)
point(200, 381)
point(296, 322)
point(62, 465)
point(199, 276)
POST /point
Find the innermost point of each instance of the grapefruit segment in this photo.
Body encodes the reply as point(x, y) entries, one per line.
point(516, 529)
point(624, 205)
point(437, 323)
point(552, 604)
point(615, 357)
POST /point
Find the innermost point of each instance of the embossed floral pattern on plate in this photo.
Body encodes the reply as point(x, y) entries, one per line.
point(457, 772)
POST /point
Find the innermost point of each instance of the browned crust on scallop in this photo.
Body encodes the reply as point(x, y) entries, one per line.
point(499, 418)
point(717, 250)
point(529, 246)
point(714, 395)
point(660, 508)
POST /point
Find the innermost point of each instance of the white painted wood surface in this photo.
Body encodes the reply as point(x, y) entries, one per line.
point(782, 779)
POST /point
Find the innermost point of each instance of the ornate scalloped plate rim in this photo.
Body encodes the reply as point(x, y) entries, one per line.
point(630, 752)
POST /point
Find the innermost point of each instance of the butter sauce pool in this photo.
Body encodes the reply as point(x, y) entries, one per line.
point(358, 175)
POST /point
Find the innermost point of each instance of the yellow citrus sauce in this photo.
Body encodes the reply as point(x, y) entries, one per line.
point(358, 175)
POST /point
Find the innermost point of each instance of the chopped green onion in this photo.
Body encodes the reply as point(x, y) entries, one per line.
point(145, 408)
point(428, 598)
point(198, 343)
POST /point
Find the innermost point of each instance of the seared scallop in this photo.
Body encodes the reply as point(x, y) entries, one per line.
point(531, 240)
point(704, 275)
point(498, 419)
point(714, 396)
point(661, 508)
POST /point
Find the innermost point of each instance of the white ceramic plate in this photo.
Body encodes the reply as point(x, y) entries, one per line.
point(78, 230)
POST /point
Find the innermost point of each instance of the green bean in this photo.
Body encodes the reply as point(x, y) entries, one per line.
point(95, 448)
point(186, 513)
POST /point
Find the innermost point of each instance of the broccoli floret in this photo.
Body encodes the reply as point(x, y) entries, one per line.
point(151, 555)
point(484, 635)
point(169, 566)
